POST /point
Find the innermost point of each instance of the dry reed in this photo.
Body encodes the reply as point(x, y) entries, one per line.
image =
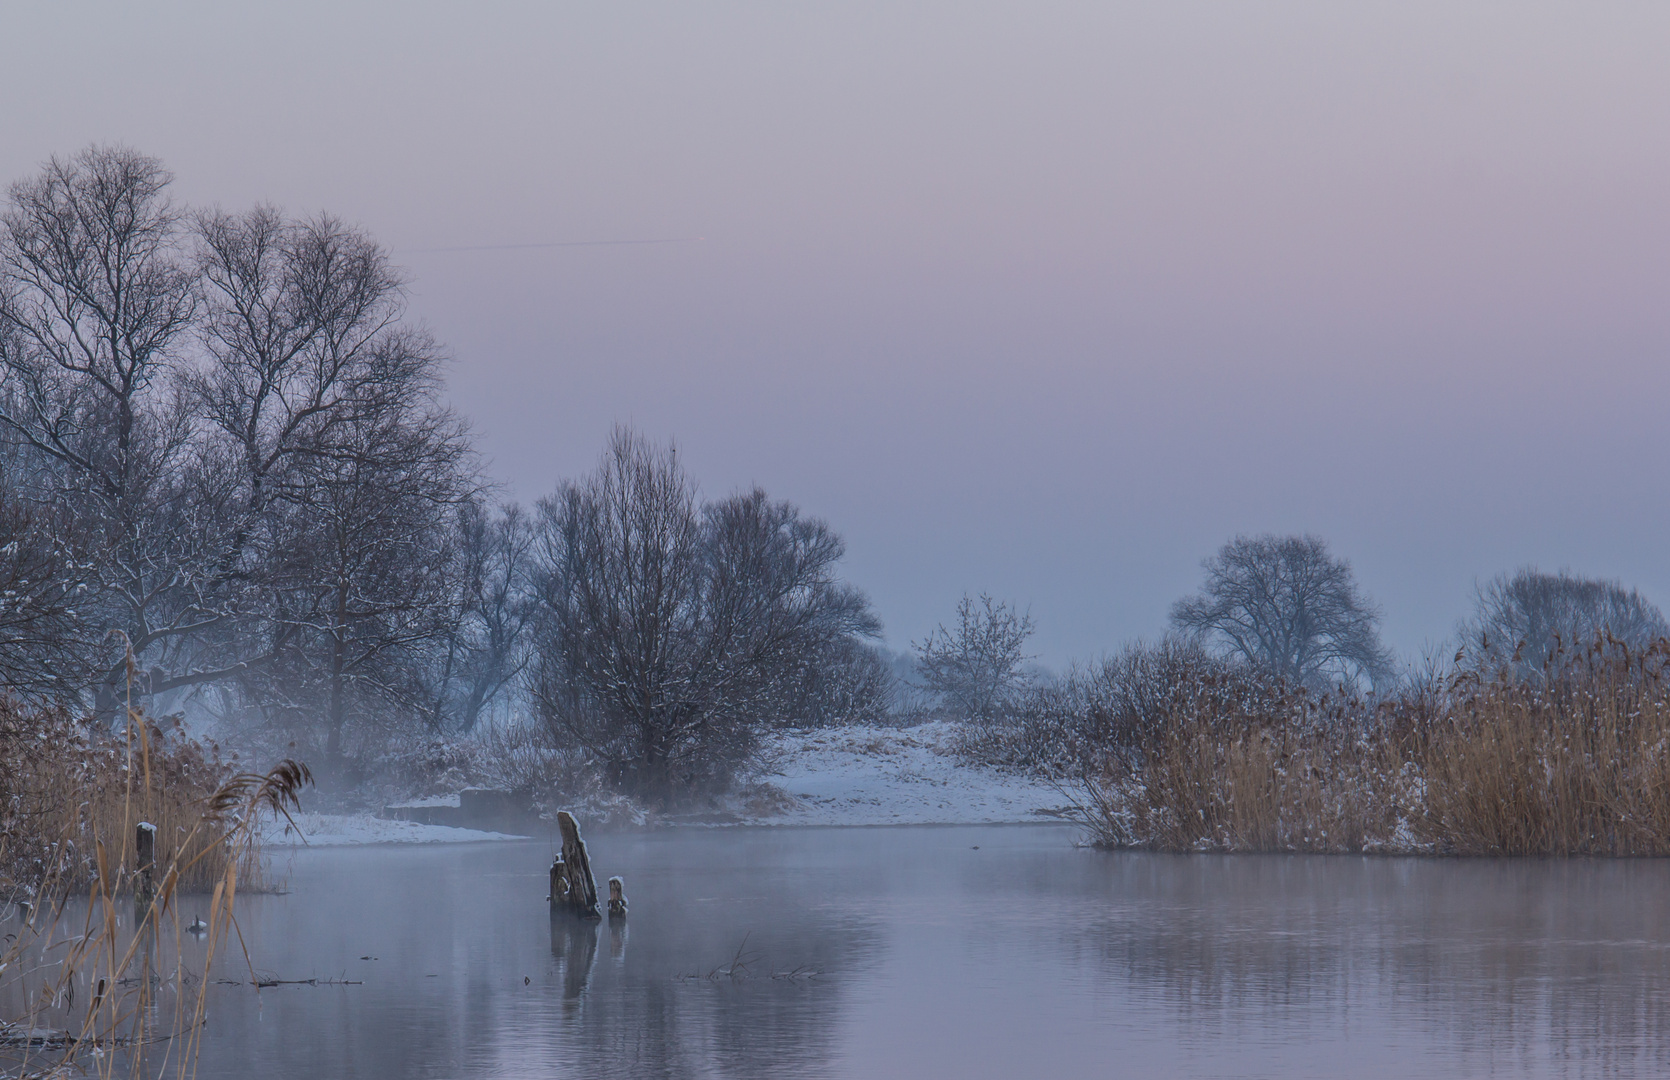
point(67, 787)
point(1575, 762)
point(82, 986)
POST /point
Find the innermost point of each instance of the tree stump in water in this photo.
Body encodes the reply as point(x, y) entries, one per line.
point(617, 898)
point(573, 889)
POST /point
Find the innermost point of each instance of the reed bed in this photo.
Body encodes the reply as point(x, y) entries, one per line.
point(1575, 761)
point(68, 788)
point(92, 975)
point(1260, 788)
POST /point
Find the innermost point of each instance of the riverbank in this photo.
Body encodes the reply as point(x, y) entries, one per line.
point(857, 775)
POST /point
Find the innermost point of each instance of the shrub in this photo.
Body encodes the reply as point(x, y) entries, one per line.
point(1573, 763)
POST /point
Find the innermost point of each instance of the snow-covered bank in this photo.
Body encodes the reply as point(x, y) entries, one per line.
point(890, 776)
point(830, 776)
point(337, 830)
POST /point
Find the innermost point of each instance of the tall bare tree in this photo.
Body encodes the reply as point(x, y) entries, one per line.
point(1287, 606)
point(345, 471)
point(298, 320)
point(1522, 621)
point(362, 562)
point(239, 447)
point(95, 302)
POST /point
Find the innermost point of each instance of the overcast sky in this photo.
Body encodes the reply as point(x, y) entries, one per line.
point(1047, 300)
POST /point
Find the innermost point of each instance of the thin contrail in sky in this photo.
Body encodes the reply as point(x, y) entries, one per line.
point(558, 244)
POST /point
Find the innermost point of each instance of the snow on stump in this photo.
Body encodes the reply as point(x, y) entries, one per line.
point(573, 889)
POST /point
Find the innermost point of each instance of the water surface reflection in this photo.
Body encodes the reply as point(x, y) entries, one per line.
point(951, 952)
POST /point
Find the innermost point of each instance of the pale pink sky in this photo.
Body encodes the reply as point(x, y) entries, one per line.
point(1042, 299)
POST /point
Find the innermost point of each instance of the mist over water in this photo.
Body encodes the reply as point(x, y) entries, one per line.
point(1033, 305)
point(969, 951)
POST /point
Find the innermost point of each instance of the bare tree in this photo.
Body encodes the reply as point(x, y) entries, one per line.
point(619, 592)
point(485, 648)
point(45, 641)
point(1522, 621)
point(344, 472)
point(95, 300)
point(976, 667)
point(245, 443)
point(363, 566)
point(299, 320)
point(1285, 605)
point(671, 635)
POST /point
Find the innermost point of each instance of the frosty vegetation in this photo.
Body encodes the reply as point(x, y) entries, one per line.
point(231, 492)
point(230, 488)
point(1545, 734)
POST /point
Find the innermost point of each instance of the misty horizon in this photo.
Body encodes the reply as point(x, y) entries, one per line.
point(1045, 304)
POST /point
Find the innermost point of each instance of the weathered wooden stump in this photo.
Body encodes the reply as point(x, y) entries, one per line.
point(573, 889)
point(617, 898)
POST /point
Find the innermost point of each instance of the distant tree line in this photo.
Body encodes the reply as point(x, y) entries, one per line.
point(1286, 613)
point(228, 479)
point(229, 484)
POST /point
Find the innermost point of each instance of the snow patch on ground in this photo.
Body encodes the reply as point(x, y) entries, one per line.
point(891, 776)
point(336, 830)
point(855, 775)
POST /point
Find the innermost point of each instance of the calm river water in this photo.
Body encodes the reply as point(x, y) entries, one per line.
point(954, 952)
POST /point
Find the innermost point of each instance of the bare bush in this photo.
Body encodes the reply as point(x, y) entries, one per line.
point(1099, 718)
point(977, 667)
point(846, 682)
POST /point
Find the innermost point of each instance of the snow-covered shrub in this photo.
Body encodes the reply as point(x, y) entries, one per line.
point(1095, 717)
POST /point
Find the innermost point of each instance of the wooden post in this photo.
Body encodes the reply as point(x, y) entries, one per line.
point(145, 861)
point(573, 889)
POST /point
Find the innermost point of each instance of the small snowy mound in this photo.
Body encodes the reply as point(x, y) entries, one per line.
point(889, 776)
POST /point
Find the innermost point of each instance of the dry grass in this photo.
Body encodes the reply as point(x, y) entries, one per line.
point(66, 790)
point(1576, 762)
point(83, 987)
point(1260, 788)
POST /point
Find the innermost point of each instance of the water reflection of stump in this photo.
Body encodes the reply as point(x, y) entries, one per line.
point(574, 944)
